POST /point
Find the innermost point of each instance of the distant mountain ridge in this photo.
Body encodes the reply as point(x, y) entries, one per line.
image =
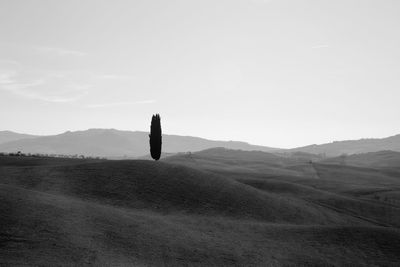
point(380, 159)
point(9, 136)
point(338, 148)
point(116, 144)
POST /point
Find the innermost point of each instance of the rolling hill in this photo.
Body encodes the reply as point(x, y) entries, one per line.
point(338, 148)
point(159, 186)
point(380, 159)
point(118, 144)
point(134, 212)
point(349, 189)
point(113, 143)
point(8, 136)
point(238, 162)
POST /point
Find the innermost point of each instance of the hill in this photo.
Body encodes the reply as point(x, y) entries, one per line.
point(157, 186)
point(113, 143)
point(338, 148)
point(239, 162)
point(8, 136)
point(364, 192)
point(380, 159)
point(118, 144)
point(94, 212)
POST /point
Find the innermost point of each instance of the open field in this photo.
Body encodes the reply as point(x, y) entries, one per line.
point(210, 208)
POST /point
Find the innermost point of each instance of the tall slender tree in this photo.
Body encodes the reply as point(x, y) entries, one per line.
point(155, 137)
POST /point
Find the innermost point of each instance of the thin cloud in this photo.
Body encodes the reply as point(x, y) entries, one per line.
point(320, 46)
point(122, 103)
point(9, 82)
point(115, 77)
point(59, 51)
point(26, 90)
point(6, 77)
point(261, 1)
point(91, 90)
point(9, 62)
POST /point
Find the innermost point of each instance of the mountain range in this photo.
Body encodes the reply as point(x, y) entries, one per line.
point(8, 136)
point(366, 145)
point(112, 143)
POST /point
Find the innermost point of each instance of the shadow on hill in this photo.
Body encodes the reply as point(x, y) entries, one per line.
point(166, 188)
point(368, 194)
point(363, 209)
point(44, 229)
point(139, 213)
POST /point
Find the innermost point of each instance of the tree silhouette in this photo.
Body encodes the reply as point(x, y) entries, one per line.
point(155, 137)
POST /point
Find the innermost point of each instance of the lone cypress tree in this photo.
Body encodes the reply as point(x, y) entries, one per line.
point(155, 137)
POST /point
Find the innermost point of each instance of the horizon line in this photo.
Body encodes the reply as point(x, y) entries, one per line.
point(216, 140)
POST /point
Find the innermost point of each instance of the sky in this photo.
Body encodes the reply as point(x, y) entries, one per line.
point(277, 73)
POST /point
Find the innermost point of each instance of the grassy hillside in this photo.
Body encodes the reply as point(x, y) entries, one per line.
point(239, 162)
point(44, 229)
point(114, 143)
point(380, 159)
point(166, 188)
point(145, 213)
point(366, 145)
point(365, 193)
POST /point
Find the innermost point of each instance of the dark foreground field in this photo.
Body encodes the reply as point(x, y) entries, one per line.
point(212, 208)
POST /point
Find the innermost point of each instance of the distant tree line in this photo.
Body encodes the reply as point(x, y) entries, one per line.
point(155, 141)
point(42, 155)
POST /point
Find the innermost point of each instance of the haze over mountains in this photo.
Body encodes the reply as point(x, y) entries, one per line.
point(353, 146)
point(117, 144)
point(380, 159)
point(114, 143)
point(8, 136)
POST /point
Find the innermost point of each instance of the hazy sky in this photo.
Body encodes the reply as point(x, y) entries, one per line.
point(269, 72)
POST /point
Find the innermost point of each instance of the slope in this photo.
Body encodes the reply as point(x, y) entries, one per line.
point(118, 213)
point(380, 159)
point(115, 144)
point(39, 229)
point(8, 136)
point(166, 188)
point(369, 194)
point(338, 148)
